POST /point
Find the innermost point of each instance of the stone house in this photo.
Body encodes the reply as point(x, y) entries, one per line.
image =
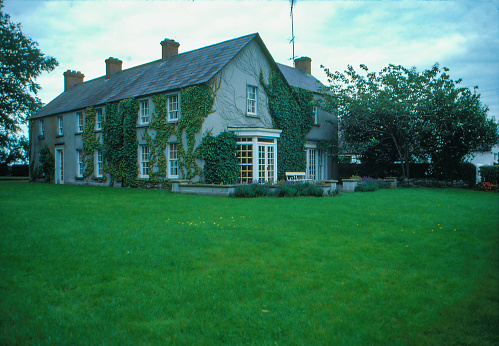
point(148, 120)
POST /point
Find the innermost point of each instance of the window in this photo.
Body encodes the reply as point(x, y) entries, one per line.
point(173, 107)
point(316, 164)
point(144, 161)
point(245, 159)
point(144, 112)
point(59, 165)
point(99, 164)
point(79, 119)
point(98, 119)
point(173, 160)
point(42, 128)
point(251, 98)
point(315, 110)
point(59, 126)
point(80, 169)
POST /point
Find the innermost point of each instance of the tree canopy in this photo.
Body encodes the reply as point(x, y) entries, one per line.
point(402, 115)
point(21, 62)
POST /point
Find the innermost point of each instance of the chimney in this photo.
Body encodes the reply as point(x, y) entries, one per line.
point(71, 78)
point(304, 63)
point(169, 48)
point(113, 65)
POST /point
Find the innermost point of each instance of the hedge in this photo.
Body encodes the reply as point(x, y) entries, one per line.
point(490, 174)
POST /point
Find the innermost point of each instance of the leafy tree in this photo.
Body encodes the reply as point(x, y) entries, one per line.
point(409, 115)
point(20, 63)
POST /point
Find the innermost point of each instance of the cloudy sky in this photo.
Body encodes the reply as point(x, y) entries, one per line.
point(461, 35)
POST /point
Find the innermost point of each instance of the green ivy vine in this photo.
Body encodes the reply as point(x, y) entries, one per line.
point(292, 112)
point(90, 141)
point(219, 153)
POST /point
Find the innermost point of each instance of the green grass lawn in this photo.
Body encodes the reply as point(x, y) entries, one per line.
point(93, 265)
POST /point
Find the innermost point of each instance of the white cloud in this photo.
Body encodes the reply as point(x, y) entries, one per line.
point(461, 35)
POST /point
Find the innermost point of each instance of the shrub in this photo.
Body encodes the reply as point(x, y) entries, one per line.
point(487, 186)
point(490, 174)
point(366, 186)
point(251, 190)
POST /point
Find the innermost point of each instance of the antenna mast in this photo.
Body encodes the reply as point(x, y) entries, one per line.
point(292, 2)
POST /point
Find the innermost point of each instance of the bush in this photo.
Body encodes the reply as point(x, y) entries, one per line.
point(490, 174)
point(298, 189)
point(251, 190)
point(366, 186)
point(486, 186)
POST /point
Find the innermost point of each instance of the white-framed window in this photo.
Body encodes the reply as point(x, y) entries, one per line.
point(79, 120)
point(98, 119)
point(99, 163)
point(251, 100)
point(60, 128)
point(172, 160)
point(316, 164)
point(59, 165)
point(144, 112)
point(256, 154)
point(315, 110)
point(80, 165)
point(42, 128)
point(144, 161)
point(173, 107)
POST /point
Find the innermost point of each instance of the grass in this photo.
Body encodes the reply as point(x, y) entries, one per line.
point(92, 265)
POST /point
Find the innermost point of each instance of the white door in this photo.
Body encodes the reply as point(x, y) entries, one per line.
point(59, 166)
point(266, 163)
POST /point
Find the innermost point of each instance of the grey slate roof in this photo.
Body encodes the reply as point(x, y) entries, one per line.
point(178, 71)
point(300, 79)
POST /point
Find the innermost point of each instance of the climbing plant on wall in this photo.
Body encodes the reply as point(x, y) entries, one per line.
point(130, 110)
point(219, 153)
point(90, 141)
point(164, 131)
point(112, 136)
point(292, 112)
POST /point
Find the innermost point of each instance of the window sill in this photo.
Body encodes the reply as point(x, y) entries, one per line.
point(98, 131)
point(317, 125)
point(141, 126)
point(40, 137)
point(78, 133)
point(59, 136)
point(251, 115)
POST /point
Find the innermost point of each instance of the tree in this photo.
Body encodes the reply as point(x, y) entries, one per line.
point(408, 115)
point(20, 63)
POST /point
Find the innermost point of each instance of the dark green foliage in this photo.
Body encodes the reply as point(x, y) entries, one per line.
point(21, 62)
point(47, 163)
point(298, 189)
point(130, 110)
point(367, 186)
point(112, 134)
point(490, 174)
point(90, 140)
point(219, 153)
point(291, 111)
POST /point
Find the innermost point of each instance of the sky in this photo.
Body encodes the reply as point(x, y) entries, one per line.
point(461, 35)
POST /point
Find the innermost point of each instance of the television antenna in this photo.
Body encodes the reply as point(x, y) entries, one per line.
point(292, 3)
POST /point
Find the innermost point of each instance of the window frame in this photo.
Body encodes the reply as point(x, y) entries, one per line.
point(169, 111)
point(99, 163)
point(80, 124)
point(315, 110)
point(144, 158)
point(80, 163)
point(60, 126)
point(141, 112)
point(172, 167)
point(251, 102)
point(42, 127)
point(99, 119)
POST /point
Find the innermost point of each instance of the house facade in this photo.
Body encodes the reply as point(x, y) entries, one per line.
point(146, 123)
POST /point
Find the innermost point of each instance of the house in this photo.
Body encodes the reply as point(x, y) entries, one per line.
point(484, 156)
point(146, 122)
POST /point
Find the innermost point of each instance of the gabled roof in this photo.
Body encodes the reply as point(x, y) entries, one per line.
point(297, 78)
point(178, 71)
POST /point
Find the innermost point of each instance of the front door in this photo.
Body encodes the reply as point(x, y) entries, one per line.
point(59, 166)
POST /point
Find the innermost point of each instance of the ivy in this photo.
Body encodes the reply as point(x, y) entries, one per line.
point(130, 110)
point(196, 104)
point(163, 130)
point(112, 134)
point(219, 153)
point(90, 141)
point(292, 112)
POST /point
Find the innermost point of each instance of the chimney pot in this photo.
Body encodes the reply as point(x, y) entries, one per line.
point(71, 77)
point(113, 65)
point(304, 63)
point(169, 48)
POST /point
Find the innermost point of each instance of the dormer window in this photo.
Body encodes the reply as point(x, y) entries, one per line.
point(173, 107)
point(144, 112)
point(251, 100)
point(98, 119)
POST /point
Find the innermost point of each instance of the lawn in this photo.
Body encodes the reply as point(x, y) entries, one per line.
point(93, 265)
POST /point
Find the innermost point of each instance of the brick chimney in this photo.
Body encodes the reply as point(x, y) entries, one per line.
point(113, 65)
point(304, 63)
point(71, 78)
point(169, 48)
